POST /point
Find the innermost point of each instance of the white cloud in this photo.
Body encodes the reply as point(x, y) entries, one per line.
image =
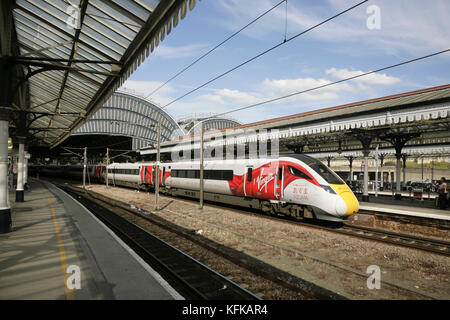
point(288, 86)
point(373, 78)
point(168, 52)
point(213, 98)
point(225, 99)
point(239, 97)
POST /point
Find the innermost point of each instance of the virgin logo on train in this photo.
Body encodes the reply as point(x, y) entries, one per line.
point(263, 181)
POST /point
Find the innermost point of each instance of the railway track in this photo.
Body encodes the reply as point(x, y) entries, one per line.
point(348, 230)
point(388, 237)
point(189, 277)
point(307, 290)
point(283, 250)
point(425, 244)
point(392, 238)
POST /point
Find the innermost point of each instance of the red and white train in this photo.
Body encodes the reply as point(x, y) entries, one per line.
point(295, 185)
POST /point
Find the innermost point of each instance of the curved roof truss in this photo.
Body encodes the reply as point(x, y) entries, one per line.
point(214, 124)
point(128, 115)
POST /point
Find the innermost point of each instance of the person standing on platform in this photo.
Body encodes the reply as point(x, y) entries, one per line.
point(443, 194)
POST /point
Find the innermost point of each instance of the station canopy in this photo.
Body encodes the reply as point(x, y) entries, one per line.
point(76, 53)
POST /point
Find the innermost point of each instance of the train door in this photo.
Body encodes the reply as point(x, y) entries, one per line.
point(163, 176)
point(248, 182)
point(279, 183)
point(142, 173)
point(148, 174)
point(154, 175)
point(113, 176)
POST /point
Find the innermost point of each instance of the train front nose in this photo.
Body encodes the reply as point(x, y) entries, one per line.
point(347, 203)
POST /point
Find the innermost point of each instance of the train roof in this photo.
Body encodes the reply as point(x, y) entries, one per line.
point(302, 157)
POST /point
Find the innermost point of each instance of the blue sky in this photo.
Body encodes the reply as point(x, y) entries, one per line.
point(336, 50)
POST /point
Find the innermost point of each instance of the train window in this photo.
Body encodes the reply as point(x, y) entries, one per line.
point(207, 174)
point(249, 174)
point(219, 175)
point(296, 172)
point(212, 175)
point(280, 173)
point(227, 175)
point(326, 173)
point(191, 174)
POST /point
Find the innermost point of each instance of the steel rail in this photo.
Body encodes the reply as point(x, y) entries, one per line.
point(203, 282)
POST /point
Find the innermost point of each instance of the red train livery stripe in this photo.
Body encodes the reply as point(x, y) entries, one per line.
point(263, 181)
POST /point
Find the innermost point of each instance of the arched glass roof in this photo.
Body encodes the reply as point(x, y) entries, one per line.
point(132, 116)
point(214, 124)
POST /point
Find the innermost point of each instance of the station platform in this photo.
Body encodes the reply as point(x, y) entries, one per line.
point(55, 240)
point(408, 210)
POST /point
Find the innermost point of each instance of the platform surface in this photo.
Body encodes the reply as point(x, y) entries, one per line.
point(53, 234)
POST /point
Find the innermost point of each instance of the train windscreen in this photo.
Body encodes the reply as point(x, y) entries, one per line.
point(326, 173)
point(319, 167)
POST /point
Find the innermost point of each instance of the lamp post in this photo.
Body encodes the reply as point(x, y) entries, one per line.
point(107, 164)
point(157, 166)
point(376, 171)
point(201, 166)
point(84, 167)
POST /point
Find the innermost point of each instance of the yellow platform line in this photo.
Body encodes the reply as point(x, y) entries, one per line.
point(62, 252)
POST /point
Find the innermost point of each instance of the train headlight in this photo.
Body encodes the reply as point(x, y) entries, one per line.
point(328, 189)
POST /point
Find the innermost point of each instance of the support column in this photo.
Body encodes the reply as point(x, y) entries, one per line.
point(398, 193)
point(404, 156)
point(365, 196)
point(422, 169)
point(350, 174)
point(7, 78)
point(376, 172)
point(329, 161)
point(19, 188)
point(381, 156)
point(25, 171)
point(365, 137)
point(398, 140)
point(5, 210)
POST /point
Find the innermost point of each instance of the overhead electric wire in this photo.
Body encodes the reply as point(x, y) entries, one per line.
point(263, 53)
point(329, 84)
point(217, 46)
